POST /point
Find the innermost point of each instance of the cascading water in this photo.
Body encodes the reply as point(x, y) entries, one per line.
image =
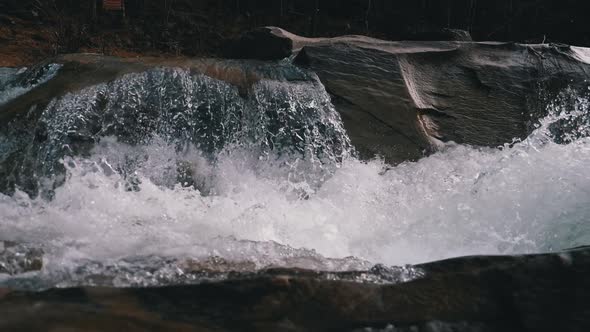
point(16, 82)
point(157, 170)
point(283, 123)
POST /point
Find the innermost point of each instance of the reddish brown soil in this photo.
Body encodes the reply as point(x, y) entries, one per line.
point(23, 43)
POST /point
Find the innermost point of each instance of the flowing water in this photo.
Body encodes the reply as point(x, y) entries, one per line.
point(181, 169)
point(13, 85)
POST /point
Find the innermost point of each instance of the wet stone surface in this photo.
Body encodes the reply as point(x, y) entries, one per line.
point(509, 293)
point(17, 258)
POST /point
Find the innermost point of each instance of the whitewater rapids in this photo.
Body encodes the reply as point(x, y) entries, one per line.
point(526, 197)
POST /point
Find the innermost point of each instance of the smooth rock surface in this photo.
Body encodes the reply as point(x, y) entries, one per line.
point(18, 258)
point(519, 293)
point(399, 99)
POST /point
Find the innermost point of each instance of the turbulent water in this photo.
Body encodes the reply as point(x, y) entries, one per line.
point(273, 181)
point(13, 83)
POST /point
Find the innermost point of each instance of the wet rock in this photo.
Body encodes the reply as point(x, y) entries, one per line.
point(518, 293)
point(75, 72)
point(19, 258)
point(217, 264)
point(199, 104)
point(398, 100)
point(402, 99)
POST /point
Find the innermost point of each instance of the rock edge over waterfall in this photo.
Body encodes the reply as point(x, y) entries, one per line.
point(269, 109)
point(400, 99)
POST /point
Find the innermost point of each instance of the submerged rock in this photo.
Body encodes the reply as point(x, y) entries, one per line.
point(519, 293)
point(18, 258)
point(272, 111)
point(398, 99)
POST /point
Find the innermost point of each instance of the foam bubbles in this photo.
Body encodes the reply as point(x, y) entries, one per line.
point(526, 197)
point(460, 201)
point(17, 82)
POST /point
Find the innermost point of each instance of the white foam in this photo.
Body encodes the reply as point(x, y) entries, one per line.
point(461, 201)
point(10, 89)
point(531, 196)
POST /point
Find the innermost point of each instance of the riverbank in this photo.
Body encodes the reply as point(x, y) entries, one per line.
point(32, 30)
point(24, 43)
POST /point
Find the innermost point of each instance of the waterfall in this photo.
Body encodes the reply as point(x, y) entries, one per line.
point(164, 168)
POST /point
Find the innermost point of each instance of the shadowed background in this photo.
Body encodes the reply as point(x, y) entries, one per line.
point(40, 28)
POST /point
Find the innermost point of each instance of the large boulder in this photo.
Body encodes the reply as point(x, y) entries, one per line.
point(18, 258)
point(402, 99)
point(519, 293)
point(398, 99)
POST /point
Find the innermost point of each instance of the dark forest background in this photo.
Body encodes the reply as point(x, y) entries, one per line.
point(199, 27)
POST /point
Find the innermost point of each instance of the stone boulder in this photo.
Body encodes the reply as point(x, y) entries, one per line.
point(400, 99)
point(273, 43)
point(265, 108)
point(403, 99)
point(18, 258)
point(518, 293)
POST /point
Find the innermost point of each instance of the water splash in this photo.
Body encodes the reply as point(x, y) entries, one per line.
point(281, 122)
point(525, 197)
point(17, 82)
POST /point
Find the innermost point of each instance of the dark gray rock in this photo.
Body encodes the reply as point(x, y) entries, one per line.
point(266, 108)
point(518, 293)
point(400, 99)
point(18, 258)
